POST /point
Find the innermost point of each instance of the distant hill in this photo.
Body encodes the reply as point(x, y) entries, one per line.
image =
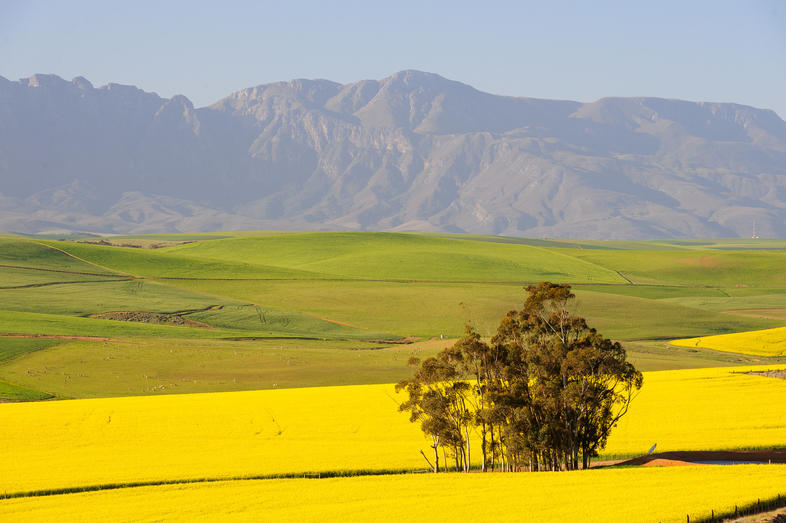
point(413, 151)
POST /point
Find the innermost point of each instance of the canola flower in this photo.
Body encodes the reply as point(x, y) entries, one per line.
point(65, 444)
point(630, 494)
point(768, 342)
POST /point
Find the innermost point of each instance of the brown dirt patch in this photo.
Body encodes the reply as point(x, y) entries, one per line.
point(692, 456)
point(780, 374)
point(660, 462)
point(151, 317)
point(137, 243)
point(340, 323)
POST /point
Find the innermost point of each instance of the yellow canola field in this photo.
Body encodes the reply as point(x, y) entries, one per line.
point(146, 438)
point(631, 494)
point(704, 409)
point(62, 444)
point(768, 342)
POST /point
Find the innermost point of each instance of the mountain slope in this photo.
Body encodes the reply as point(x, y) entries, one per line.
point(413, 151)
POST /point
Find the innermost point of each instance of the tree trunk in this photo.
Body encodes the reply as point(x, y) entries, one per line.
point(483, 447)
point(466, 462)
point(491, 445)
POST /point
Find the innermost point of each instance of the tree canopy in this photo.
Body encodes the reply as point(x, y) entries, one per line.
point(543, 394)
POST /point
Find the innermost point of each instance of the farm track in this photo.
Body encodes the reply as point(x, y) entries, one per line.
point(51, 283)
point(75, 257)
point(62, 271)
point(65, 337)
point(696, 456)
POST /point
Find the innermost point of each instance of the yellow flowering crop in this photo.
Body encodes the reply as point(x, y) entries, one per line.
point(704, 409)
point(94, 441)
point(63, 444)
point(631, 494)
point(768, 342)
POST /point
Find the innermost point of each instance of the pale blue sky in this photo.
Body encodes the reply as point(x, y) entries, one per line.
point(696, 50)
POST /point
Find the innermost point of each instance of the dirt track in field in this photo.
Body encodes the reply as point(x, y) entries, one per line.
point(691, 457)
point(64, 337)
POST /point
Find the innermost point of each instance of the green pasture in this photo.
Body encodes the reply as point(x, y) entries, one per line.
point(83, 369)
point(11, 348)
point(434, 309)
point(32, 323)
point(389, 256)
point(648, 355)
point(406, 309)
point(84, 299)
point(166, 263)
point(16, 252)
point(773, 298)
point(10, 392)
point(99, 369)
point(14, 278)
point(710, 268)
point(301, 309)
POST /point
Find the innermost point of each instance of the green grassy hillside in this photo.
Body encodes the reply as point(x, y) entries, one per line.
point(217, 305)
point(387, 256)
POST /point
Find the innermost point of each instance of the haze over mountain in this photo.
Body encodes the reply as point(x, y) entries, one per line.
point(413, 151)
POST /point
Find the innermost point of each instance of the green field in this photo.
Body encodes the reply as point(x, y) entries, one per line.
point(241, 311)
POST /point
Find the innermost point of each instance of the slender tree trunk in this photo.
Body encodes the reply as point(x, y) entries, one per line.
point(445, 458)
point(436, 459)
point(491, 445)
point(483, 447)
point(432, 466)
point(466, 463)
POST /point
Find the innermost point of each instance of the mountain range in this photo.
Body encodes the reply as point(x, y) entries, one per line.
point(411, 152)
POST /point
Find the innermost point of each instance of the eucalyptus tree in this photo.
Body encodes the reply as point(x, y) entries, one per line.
point(544, 394)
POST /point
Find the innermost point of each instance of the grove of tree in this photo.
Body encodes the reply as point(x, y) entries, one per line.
point(543, 394)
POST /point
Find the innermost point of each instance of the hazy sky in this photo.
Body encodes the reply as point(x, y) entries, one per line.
point(695, 50)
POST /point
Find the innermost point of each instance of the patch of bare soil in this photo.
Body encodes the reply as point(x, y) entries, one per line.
point(151, 317)
point(137, 243)
point(660, 462)
point(780, 374)
point(730, 456)
point(340, 323)
point(774, 516)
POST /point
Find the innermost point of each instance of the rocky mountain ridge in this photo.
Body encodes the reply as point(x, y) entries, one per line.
point(413, 151)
